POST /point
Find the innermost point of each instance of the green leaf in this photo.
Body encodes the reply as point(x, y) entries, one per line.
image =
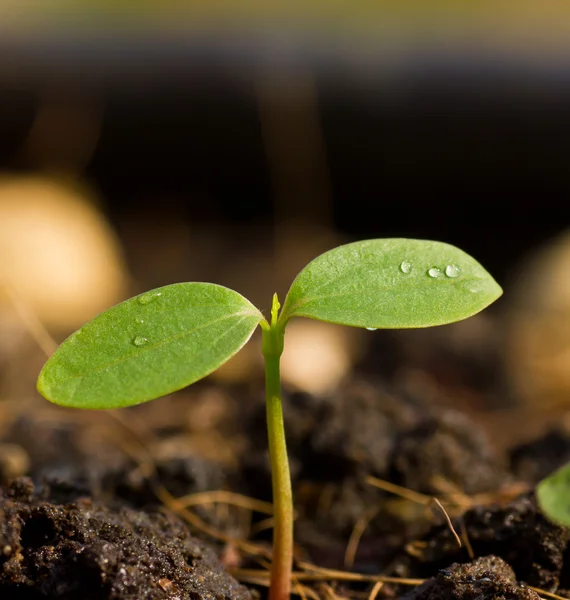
point(149, 346)
point(553, 495)
point(391, 283)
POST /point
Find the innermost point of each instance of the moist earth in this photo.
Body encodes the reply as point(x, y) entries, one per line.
point(91, 526)
point(518, 533)
point(82, 549)
point(486, 578)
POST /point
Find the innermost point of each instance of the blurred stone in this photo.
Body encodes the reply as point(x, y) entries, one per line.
point(317, 355)
point(538, 334)
point(14, 461)
point(316, 358)
point(486, 578)
point(57, 253)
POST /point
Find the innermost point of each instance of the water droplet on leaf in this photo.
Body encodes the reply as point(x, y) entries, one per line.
point(148, 298)
point(372, 328)
point(406, 266)
point(139, 340)
point(434, 272)
point(139, 320)
point(452, 270)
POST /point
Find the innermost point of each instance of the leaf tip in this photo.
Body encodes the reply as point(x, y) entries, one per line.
point(42, 383)
point(553, 496)
point(275, 306)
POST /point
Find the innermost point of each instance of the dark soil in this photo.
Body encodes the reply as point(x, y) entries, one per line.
point(517, 532)
point(83, 549)
point(366, 429)
point(486, 578)
point(92, 526)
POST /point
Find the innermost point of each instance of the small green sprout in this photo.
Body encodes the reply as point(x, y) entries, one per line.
point(553, 495)
point(168, 338)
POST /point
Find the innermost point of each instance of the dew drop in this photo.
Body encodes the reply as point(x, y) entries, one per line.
point(139, 340)
point(372, 328)
point(452, 270)
point(434, 272)
point(406, 266)
point(139, 320)
point(148, 298)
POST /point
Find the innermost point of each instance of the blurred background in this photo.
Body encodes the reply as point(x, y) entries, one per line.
point(147, 143)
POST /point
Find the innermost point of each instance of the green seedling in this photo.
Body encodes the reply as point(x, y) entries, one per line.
point(168, 338)
point(553, 495)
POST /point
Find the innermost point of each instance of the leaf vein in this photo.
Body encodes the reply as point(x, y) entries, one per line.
point(243, 314)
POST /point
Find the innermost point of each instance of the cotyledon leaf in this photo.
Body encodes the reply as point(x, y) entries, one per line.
point(391, 283)
point(553, 495)
point(149, 346)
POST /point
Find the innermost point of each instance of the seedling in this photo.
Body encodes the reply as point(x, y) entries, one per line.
point(170, 337)
point(553, 495)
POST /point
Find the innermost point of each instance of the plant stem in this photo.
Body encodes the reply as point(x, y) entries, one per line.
point(282, 494)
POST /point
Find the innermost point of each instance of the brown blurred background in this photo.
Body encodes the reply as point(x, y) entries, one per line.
point(378, 119)
point(143, 145)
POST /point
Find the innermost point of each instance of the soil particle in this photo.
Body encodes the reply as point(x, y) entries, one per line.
point(85, 550)
point(334, 443)
point(45, 442)
point(76, 459)
point(360, 428)
point(487, 578)
point(336, 436)
point(180, 475)
point(517, 532)
point(447, 447)
point(367, 429)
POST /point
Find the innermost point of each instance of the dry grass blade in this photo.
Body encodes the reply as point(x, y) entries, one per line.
point(304, 591)
point(449, 523)
point(375, 590)
point(224, 497)
point(33, 325)
point(451, 496)
point(416, 548)
point(454, 496)
point(545, 594)
point(141, 454)
point(262, 526)
point(264, 582)
point(398, 490)
point(320, 574)
point(309, 592)
point(192, 519)
point(465, 539)
point(299, 588)
point(330, 593)
point(357, 533)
